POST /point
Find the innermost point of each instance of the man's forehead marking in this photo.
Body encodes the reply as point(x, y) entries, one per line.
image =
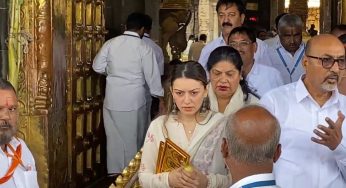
point(8, 101)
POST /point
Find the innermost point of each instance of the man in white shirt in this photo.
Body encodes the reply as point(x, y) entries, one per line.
point(251, 147)
point(17, 165)
point(231, 14)
point(286, 56)
point(157, 49)
point(273, 41)
point(131, 69)
point(260, 78)
point(153, 102)
point(310, 112)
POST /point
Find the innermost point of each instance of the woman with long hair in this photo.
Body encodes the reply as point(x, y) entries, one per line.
point(193, 127)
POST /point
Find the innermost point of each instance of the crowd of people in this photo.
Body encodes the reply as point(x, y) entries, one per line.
point(213, 105)
point(249, 113)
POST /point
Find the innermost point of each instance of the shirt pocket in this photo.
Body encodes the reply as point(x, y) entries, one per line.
point(31, 179)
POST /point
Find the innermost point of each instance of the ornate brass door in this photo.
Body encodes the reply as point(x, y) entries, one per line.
point(84, 115)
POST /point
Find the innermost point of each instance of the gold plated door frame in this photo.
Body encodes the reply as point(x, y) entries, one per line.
point(84, 113)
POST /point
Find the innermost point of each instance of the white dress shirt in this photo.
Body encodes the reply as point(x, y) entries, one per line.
point(262, 79)
point(290, 67)
point(25, 176)
point(260, 55)
point(272, 42)
point(129, 64)
point(157, 50)
point(304, 163)
point(258, 180)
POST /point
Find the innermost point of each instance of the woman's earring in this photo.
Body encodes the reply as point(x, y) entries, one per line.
point(174, 110)
point(203, 111)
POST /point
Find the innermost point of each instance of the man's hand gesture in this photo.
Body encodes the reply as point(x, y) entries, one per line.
point(330, 136)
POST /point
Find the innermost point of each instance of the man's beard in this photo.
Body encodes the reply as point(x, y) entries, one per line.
point(326, 85)
point(7, 131)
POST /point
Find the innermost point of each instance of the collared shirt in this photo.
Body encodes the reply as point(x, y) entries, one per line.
point(157, 50)
point(22, 178)
point(290, 67)
point(131, 67)
point(304, 163)
point(259, 180)
point(262, 79)
point(261, 54)
point(272, 42)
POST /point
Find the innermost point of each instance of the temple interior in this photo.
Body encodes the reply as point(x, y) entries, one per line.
point(47, 49)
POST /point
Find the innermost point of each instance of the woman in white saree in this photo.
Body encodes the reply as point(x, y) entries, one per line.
point(193, 127)
point(228, 90)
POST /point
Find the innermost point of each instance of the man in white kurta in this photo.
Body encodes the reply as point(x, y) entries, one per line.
point(157, 51)
point(153, 102)
point(231, 14)
point(310, 112)
point(131, 69)
point(17, 165)
point(260, 78)
point(287, 54)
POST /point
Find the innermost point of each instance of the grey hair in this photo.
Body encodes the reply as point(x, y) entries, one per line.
point(251, 153)
point(290, 20)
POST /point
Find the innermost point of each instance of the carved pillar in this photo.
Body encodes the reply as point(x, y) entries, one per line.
point(281, 6)
point(151, 8)
point(325, 16)
point(41, 90)
point(343, 12)
point(216, 27)
point(4, 24)
point(299, 7)
point(204, 21)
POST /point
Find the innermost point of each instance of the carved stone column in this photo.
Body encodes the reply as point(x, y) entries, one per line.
point(216, 27)
point(41, 90)
point(299, 7)
point(325, 16)
point(343, 12)
point(204, 18)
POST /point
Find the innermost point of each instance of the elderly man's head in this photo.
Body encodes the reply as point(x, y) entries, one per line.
point(253, 135)
point(290, 28)
point(323, 60)
point(8, 112)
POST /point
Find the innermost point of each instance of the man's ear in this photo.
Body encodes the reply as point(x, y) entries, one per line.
point(305, 62)
point(255, 46)
point(277, 153)
point(224, 148)
point(242, 17)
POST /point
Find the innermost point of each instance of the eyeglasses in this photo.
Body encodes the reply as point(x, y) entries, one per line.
point(328, 62)
point(241, 44)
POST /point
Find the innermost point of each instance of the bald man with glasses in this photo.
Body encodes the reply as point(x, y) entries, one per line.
point(311, 114)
